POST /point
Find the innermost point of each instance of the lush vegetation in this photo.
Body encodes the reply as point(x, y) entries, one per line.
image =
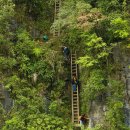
point(35, 73)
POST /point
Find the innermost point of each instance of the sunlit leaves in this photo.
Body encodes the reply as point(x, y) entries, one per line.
point(37, 51)
point(95, 86)
point(120, 28)
point(96, 50)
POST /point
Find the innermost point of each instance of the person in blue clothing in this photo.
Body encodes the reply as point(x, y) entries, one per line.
point(66, 52)
point(83, 120)
point(74, 83)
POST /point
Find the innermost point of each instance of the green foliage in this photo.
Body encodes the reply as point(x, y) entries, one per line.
point(119, 28)
point(69, 13)
point(115, 104)
point(96, 50)
point(7, 63)
point(95, 85)
point(109, 6)
point(36, 14)
point(26, 58)
point(92, 31)
point(58, 108)
point(72, 38)
point(6, 11)
point(30, 121)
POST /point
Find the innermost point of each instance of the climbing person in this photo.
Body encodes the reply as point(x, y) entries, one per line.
point(74, 83)
point(66, 52)
point(83, 120)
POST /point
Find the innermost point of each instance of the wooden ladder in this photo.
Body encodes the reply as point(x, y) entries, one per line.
point(75, 95)
point(56, 31)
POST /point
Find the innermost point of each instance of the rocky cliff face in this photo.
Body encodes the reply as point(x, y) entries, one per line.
point(5, 99)
point(98, 108)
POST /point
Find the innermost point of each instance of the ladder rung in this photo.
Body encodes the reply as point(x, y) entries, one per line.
point(73, 54)
point(73, 73)
point(75, 114)
point(74, 93)
point(75, 104)
point(74, 69)
point(57, 1)
point(73, 57)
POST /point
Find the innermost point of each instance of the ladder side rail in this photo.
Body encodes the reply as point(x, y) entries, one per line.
point(72, 90)
point(77, 86)
point(73, 116)
point(77, 89)
point(73, 73)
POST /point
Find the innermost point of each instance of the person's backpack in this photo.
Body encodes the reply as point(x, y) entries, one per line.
point(45, 38)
